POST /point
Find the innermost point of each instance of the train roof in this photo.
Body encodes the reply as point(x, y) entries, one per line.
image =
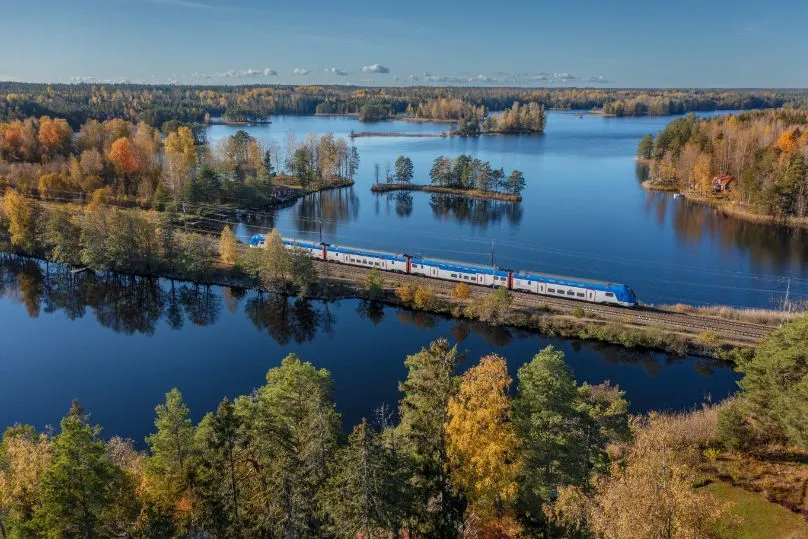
point(459, 266)
point(366, 252)
point(562, 280)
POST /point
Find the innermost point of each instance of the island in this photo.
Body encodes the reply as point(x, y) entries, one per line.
point(464, 176)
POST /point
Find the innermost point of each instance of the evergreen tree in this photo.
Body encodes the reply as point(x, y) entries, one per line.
point(430, 384)
point(169, 469)
point(78, 482)
point(515, 183)
point(404, 169)
point(552, 432)
point(218, 489)
point(645, 148)
point(365, 494)
point(291, 431)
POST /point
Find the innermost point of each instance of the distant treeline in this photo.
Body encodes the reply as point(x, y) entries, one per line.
point(156, 104)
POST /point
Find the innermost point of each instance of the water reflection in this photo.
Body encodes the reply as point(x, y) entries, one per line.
point(284, 319)
point(477, 212)
point(326, 209)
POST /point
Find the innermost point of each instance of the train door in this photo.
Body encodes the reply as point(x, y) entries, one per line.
point(433, 271)
point(590, 295)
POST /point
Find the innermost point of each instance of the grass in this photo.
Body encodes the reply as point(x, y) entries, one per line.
point(755, 316)
point(751, 516)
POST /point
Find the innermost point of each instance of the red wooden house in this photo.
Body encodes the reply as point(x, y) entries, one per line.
point(721, 183)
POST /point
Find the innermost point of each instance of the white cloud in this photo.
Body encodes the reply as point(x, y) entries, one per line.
point(375, 68)
point(237, 74)
point(300, 71)
point(336, 71)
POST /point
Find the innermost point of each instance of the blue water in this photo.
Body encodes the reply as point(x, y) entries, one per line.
point(584, 213)
point(119, 345)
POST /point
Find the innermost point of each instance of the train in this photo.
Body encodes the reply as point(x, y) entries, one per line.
point(543, 284)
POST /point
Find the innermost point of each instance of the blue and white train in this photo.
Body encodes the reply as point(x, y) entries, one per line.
point(523, 281)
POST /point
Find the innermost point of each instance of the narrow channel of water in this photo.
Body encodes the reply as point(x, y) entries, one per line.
point(119, 343)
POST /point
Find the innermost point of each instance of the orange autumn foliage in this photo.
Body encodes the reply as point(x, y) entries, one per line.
point(123, 156)
point(54, 135)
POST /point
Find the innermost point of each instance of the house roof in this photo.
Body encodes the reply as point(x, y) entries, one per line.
point(723, 180)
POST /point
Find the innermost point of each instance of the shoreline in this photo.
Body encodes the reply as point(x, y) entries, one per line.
point(730, 208)
point(470, 193)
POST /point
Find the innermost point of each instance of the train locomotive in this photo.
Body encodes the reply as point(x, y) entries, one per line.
point(587, 290)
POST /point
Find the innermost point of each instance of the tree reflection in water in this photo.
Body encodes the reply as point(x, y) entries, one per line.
point(285, 319)
point(328, 208)
point(478, 212)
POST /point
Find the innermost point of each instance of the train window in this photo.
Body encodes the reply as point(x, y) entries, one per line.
point(454, 275)
point(581, 295)
point(609, 295)
point(570, 293)
point(551, 290)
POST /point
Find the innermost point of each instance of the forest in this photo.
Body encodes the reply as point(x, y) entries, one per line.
point(765, 151)
point(474, 454)
point(157, 104)
point(138, 165)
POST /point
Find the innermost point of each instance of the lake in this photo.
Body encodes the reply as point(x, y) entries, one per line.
point(584, 212)
point(119, 343)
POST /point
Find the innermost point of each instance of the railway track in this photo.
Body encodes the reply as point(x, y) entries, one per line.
point(642, 316)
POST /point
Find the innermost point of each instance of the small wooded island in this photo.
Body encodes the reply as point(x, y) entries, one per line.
point(464, 176)
point(752, 165)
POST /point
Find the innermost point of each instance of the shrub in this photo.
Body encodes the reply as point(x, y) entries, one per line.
point(733, 430)
point(374, 284)
point(461, 291)
point(578, 312)
point(406, 293)
point(424, 298)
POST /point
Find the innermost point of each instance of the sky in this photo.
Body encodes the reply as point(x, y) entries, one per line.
point(616, 43)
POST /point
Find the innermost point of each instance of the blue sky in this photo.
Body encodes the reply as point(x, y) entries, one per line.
point(625, 43)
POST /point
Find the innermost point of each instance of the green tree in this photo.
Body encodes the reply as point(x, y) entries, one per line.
point(365, 494)
point(301, 166)
point(775, 383)
point(404, 169)
point(515, 183)
point(217, 478)
point(430, 383)
point(552, 432)
point(646, 147)
point(302, 270)
point(291, 430)
point(374, 284)
point(168, 469)
point(62, 238)
point(78, 483)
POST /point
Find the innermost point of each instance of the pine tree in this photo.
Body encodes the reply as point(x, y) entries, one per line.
point(291, 430)
point(430, 383)
point(553, 432)
point(482, 446)
point(365, 494)
point(217, 477)
point(168, 470)
point(404, 169)
point(77, 484)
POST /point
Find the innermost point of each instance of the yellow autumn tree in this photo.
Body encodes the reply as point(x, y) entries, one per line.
point(25, 455)
point(649, 494)
point(228, 245)
point(481, 447)
point(702, 173)
point(180, 158)
point(123, 155)
point(22, 215)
